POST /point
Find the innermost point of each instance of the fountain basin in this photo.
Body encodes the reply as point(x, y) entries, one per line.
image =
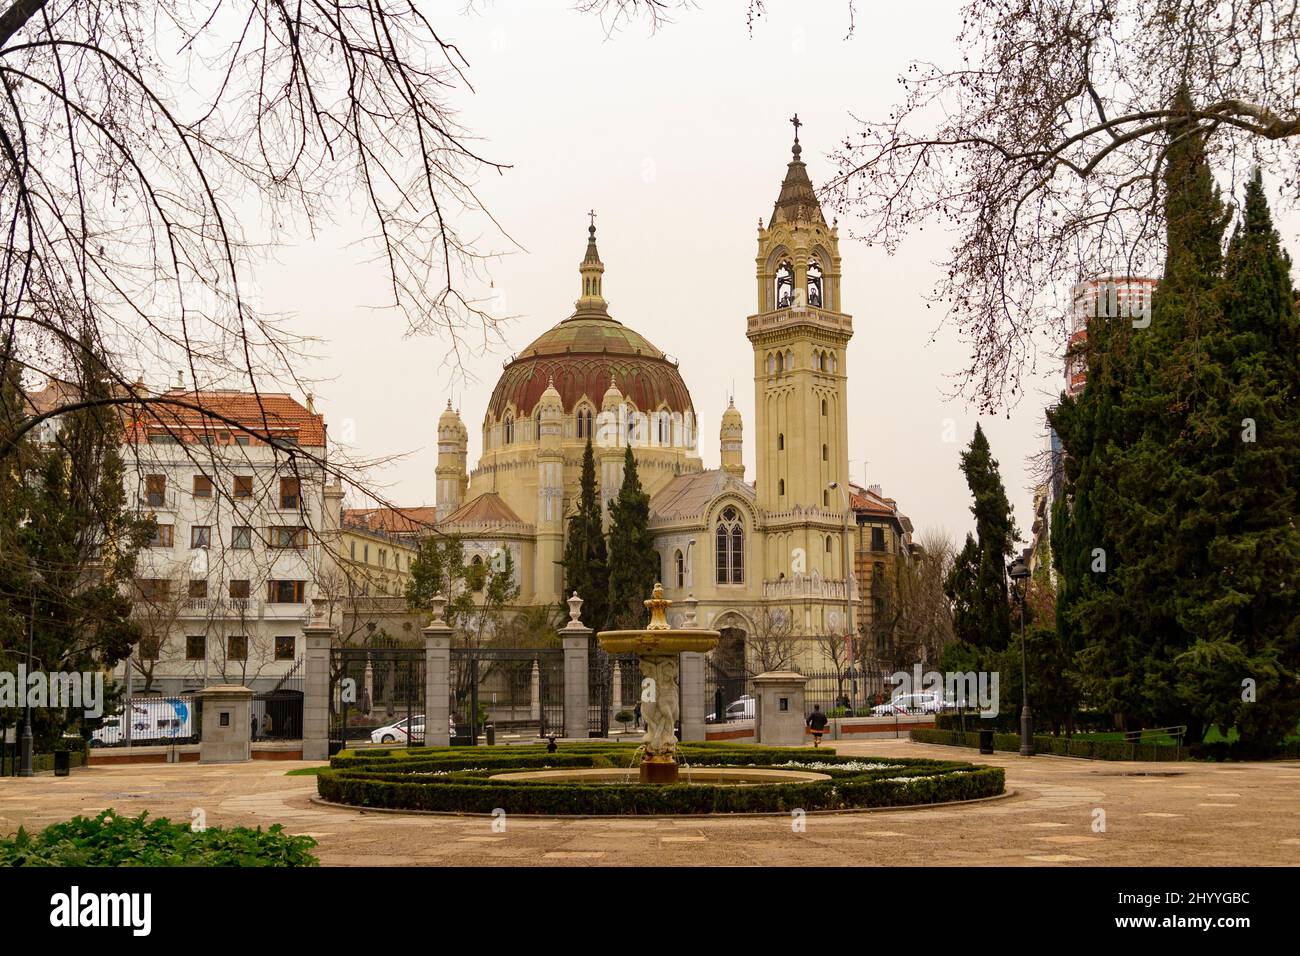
point(658, 642)
point(715, 776)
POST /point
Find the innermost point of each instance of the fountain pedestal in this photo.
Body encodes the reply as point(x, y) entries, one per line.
point(658, 648)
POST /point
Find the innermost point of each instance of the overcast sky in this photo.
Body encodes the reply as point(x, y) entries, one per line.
point(679, 141)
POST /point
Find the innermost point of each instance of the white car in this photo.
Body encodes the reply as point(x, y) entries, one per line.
point(395, 732)
point(905, 704)
point(741, 709)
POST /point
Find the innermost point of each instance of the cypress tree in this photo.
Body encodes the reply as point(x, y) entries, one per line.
point(977, 584)
point(633, 561)
point(586, 566)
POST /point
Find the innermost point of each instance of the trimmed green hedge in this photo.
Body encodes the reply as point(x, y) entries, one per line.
point(1058, 746)
point(112, 840)
point(434, 780)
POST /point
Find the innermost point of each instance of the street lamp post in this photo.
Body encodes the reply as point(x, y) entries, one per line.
point(848, 593)
point(25, 740)
point(1018, 571)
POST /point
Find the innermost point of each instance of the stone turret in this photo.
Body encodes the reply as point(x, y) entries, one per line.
point(451, 476)
point(732, 439)
point(550, 496)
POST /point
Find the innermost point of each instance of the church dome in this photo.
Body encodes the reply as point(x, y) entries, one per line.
point(579, 355)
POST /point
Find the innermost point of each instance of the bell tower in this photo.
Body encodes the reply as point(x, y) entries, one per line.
point(800, 338)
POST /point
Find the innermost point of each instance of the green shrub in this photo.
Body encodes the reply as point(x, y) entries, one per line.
point(1058, 746)
point(110, 840)
point(460, 783)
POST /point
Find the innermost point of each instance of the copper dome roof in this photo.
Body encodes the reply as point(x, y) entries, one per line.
point(583, 352)
point(580, 354)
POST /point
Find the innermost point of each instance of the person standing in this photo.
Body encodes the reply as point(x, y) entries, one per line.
point(817, 724)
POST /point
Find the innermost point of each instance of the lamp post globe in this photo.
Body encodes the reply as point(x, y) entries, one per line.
point(1018, 571)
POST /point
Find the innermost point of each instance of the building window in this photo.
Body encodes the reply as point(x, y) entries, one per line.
point(509, 429)
point(200, 536)
point(196, 646)
point(352, 550)
point(202, 486)
point(241, 537)
point(237, 647)
point(729, 546)
point(153, 589)
point(163, 536)
point(155, 490)
point(825, 453)
point(582, 418)
point(665, 428)
point(877, 539)
point(239, 589)
point(383, 557)
point(243, 486)
point(289, 493)
point(285, 592)
point(284, 648)
point(294, 538)
point(780, 487)
point(789, 360)
point(244, 440)
point(814, 283)
point(198, 590)
point(679, 569)
point(780, 442)
point(826, 499)
point(365, 554)
point(823, 408)
point(149, 647)
point(828, 544)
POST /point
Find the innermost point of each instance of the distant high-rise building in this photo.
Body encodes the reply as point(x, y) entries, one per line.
point(1109, 297)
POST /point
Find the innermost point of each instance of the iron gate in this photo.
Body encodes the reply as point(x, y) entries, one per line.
point(514, 690)
point(376, 694)
point(604, 699)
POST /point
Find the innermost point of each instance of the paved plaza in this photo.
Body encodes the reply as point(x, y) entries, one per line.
point(1159, 814)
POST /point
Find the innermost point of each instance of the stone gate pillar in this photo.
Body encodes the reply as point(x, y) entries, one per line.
point(780, 709)
point(576, 641)
point(691, 677)
point(319, 637)
point(437, 677)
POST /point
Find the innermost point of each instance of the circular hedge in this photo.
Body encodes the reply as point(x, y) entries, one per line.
point(456, 780)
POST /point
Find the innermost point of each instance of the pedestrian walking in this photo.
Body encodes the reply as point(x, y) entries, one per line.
point(817, 724)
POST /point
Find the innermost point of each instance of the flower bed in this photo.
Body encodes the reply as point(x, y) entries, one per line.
point(448, 780)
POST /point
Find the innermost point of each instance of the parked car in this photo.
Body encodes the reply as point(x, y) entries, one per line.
point(910, 704)
point(397, 731)
point(741, 709)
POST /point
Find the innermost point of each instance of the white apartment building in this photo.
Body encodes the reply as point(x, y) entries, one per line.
point(244, 511)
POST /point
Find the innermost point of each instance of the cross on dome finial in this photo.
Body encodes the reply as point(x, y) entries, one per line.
point(796, 123)
point(592, 214)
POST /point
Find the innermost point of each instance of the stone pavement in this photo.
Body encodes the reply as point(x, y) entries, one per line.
point(1158, 814)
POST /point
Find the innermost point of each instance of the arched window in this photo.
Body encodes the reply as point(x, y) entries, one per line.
point(583, 419)
point(789, 360)
point(509, 428)
point(679, 569)
point(780, 442)
point(826, 499)
point(784, 284)
point(824, 453)
point(833, 362)
point(823, 407)
point(780, 363)
point(814, 283)
point(665, 428)
point(780, 487)
point(828, 544)
point(771, 363)
point(729, 545)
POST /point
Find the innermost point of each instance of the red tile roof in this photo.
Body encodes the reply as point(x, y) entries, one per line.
point(274, 414)
point(412, 520)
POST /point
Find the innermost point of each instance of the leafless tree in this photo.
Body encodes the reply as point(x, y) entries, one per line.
point(136, 138)
point(912, 622)
point(772, 644)
point(1040, 148)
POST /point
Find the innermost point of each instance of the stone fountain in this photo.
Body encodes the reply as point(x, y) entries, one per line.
point(658, 648)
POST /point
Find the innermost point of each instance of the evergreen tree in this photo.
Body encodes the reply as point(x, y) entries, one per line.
point(70, 541)
point(586, 567)
point(977, 584)
point(439, 568)
point(633, 561)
